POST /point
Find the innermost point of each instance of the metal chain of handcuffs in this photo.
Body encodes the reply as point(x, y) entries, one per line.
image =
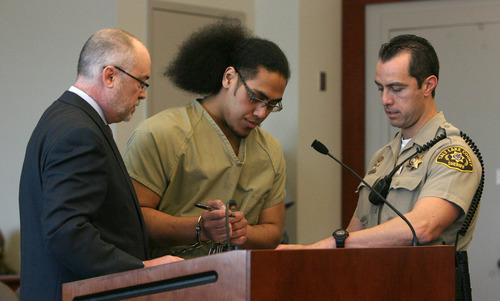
point(217, 247)
point(214, 249)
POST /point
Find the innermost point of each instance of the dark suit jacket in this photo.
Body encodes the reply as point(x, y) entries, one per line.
point(80, 216)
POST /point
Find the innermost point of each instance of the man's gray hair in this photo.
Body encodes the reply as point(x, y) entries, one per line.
point(106, 47)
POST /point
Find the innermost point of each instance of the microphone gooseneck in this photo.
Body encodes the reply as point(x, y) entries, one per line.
point(321, 148)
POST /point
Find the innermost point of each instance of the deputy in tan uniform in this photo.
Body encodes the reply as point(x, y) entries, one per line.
point(433, 188)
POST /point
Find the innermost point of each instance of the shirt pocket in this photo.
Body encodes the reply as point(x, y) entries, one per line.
point(407, 182)
point(404, 192)
point(370, 179)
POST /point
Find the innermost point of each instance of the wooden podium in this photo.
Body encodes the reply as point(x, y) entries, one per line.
point(401, 273)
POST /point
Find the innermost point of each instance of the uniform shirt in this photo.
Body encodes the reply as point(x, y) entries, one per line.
point(183, 156)
point(448, 170)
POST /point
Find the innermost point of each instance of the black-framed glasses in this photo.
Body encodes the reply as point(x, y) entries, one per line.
point(262, 103)
point(144, 85)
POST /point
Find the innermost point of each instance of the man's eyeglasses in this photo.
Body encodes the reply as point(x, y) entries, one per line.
point(144, 85)
point(262, 103)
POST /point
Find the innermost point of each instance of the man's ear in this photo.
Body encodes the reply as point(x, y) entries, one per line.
point(430, 84)
point(108, 76)
point(230, 75)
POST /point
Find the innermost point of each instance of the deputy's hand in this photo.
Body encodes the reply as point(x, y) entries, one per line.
point(327, 243)
point(289, 247)
point(161, 260)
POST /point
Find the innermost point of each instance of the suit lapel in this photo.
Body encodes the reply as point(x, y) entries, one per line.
point(75, 100)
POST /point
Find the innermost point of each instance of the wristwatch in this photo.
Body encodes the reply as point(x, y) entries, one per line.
point(340, 236)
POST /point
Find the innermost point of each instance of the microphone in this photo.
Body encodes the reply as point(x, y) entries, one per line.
point(321, 148)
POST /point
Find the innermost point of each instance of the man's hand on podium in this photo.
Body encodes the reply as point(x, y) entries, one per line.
point(161, 260)
point(327, 243)
point(289, 247)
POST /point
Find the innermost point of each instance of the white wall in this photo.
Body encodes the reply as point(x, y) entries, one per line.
point(40, 44)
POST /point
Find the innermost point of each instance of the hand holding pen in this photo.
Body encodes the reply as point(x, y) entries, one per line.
point(206, 207)
point(213, 221)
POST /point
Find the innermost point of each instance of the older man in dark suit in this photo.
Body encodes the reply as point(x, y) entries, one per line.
point(80, 216)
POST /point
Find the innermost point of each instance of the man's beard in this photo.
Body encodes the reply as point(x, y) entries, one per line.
point(122, 110)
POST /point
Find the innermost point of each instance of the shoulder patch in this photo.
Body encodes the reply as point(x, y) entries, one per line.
point(456, 157)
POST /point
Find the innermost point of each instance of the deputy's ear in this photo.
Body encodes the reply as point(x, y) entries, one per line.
point(430, 84)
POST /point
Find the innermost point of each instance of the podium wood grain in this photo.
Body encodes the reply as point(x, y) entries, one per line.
point(401, 273)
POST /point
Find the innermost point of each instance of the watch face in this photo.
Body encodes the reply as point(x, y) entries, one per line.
point(340, 233)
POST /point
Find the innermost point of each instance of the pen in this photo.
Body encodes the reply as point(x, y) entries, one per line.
point(206, 207)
